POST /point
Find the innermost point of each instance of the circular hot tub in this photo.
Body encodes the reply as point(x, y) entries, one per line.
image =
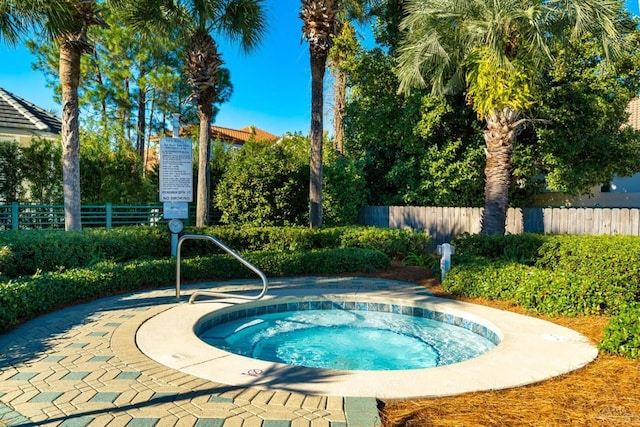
point(347, 335)
point(527, 350)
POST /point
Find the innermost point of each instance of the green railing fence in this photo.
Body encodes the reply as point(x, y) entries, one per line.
point(16, 216)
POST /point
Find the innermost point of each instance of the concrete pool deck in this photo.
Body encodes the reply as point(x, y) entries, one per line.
point(82, 366)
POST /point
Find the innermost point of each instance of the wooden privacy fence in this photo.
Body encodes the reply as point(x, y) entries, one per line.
point(443, 224)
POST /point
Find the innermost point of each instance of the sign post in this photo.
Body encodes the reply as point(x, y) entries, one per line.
point(176, 182)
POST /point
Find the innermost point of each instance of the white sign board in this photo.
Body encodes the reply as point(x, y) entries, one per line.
point(176, 210)
point(176, 172)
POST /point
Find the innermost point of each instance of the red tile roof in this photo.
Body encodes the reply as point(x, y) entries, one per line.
point(634, 113)
point(234, 136)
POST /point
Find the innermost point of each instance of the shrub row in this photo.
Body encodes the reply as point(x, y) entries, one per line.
point(557, 275)
point(556, 293)
point(26, 297)
point(622, 334)
point(393, 242)
point(27, 252)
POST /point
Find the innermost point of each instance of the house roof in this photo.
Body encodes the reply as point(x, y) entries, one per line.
point(247, 133)
point(233, 136)
point(633, 108)
point(20, 114)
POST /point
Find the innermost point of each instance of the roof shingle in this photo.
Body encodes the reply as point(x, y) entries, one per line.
point(18, 113)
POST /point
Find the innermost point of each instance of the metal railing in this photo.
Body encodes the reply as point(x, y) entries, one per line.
point(265, 282)
point(17, 216)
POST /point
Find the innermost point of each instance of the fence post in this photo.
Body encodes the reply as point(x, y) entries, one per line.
point(109, 210)
point(15, 215)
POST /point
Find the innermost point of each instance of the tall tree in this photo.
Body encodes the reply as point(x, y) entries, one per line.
point(66, 22)
point(321, 23)
point(195, 21)
point(493, 51)
point(345, 46)
point(147, 80)
point(319, 19)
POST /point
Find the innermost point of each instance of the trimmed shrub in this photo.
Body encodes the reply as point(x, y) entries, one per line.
point(29, 251)
point(395, 243)
point(570, 276)
point(493, 280)
point(522, 248)
point(612, 261)
point(26, 252)
point(27, 297)
point(622, 334)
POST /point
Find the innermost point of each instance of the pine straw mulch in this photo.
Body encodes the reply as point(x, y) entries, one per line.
point(604, 393)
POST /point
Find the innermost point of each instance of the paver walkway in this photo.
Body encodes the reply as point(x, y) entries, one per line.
point(80, 366)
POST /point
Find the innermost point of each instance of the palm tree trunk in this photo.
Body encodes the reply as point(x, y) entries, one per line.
point(499, 137)
point(203, 63)
point(204, 152)
point(69, 68)
point(318, 65)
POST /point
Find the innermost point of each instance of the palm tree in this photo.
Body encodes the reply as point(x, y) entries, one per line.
point(494, 50)
point(321, 23)
point(11, 23)
point(194, 21)
point(66, 22)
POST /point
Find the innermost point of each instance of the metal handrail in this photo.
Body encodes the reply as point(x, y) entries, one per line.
point(265, 282)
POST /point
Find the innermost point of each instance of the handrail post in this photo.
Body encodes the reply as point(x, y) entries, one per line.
point(178, 269)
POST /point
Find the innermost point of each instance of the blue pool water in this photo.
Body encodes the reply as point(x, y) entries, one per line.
point(348, 339)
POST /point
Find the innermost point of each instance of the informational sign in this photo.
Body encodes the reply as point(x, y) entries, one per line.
point(176, 172)
point(176, 210)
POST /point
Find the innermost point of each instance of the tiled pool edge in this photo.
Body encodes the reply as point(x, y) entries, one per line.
point(227, 315)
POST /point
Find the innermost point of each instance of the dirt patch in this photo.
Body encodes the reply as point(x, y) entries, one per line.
point(604, 393)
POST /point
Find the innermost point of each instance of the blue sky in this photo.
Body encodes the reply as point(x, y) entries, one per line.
point(272, 85)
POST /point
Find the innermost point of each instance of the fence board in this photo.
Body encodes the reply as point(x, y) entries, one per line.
point(624, 225)
point(634, 221)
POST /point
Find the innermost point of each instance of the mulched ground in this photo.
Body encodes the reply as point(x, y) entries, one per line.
point(604, 393)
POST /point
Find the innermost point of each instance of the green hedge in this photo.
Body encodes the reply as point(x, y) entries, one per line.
point(556, 275)
point(27, 297)
point(522, 248)
point(622, 334)
point(556, 293)
point(393, 242)
point(28, 251)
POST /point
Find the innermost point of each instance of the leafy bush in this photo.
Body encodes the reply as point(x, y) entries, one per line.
point(395, 243)
point(27, 297)
point(554, 291)
point(521, 248)
point(557, 275)
point(622, 334)
point(614, 261)
point(344, 190)
point(265, 184)
point(25, 252)
point(497, 280)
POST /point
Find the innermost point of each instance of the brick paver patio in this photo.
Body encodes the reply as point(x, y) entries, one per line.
point(80, 366)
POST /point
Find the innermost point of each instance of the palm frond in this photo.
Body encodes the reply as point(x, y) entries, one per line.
point(244, 21)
